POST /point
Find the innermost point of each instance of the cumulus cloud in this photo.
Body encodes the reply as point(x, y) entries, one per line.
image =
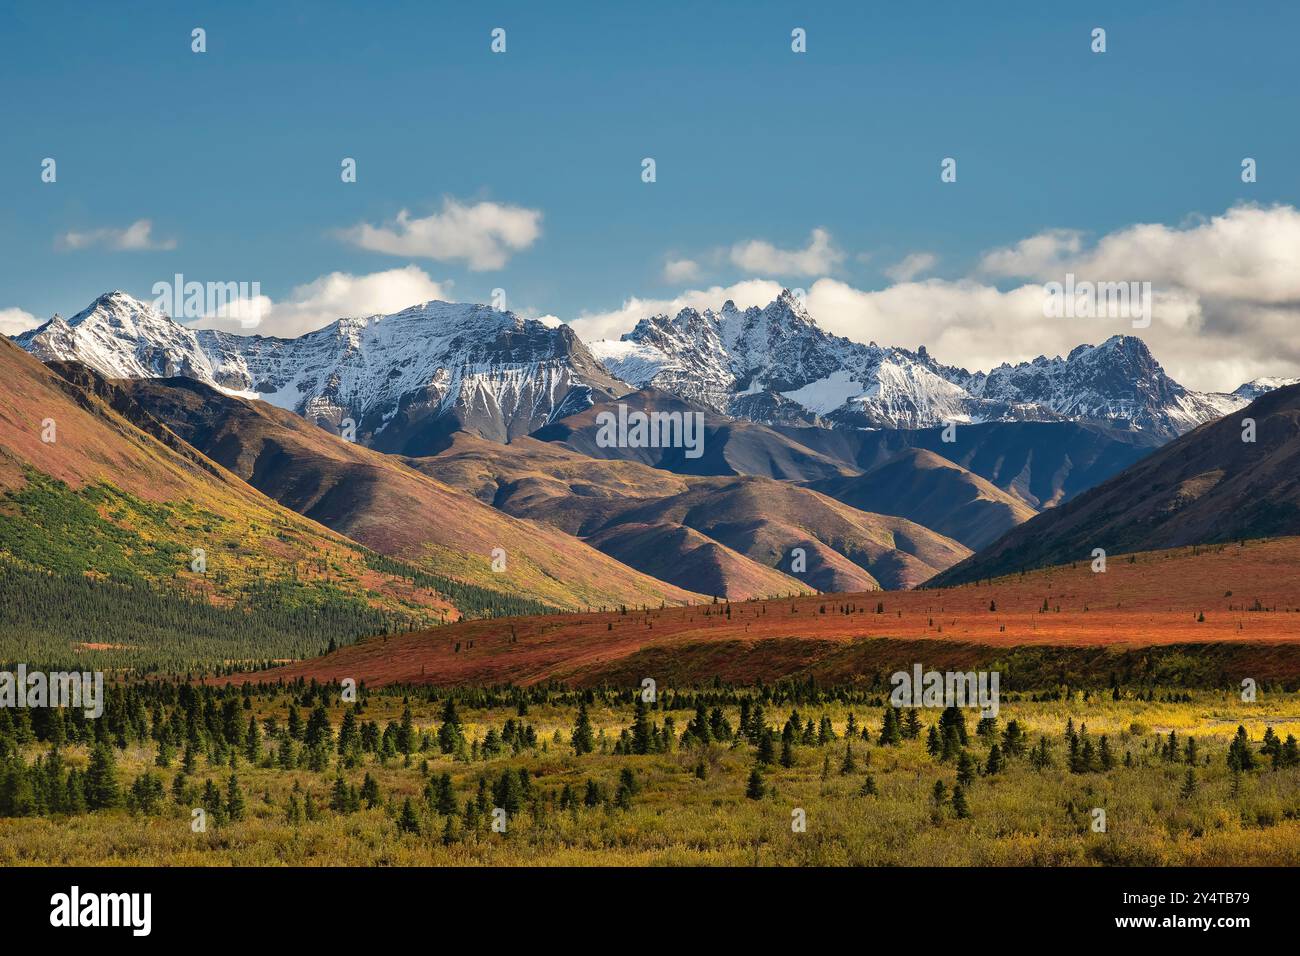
point(817, 258)
point(1225, 299)
point(592, 326)
point(136, 237)
point(912, 266)
point(1249, 253)
point(1226, 288)
point(483, 235)
point(16, 321)
point(962, 322)
point(681, 270)
point(1038, 254)
point(319, 302)
point(978, 326)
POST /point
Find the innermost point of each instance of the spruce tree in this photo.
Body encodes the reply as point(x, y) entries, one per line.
point(370, 792)
point(211, 802)
point(959, 806)
point(849, 765)
point(965, 768)
point(755, 788)
point(101, 779)
point(994, 764)
point(406, 733)
point(932, 745)
point(234, 799)
point(642, 737)
point(581, 738)
point(253, 741)
point(407, 821)
point(446, 796)
point(1104, 755)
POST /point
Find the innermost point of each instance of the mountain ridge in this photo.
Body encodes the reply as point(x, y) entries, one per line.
point(409, 379)
point(1209, 486)
point(775, 365)
point(405, 380)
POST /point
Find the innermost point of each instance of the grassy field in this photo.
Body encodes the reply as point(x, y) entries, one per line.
point(692, 803)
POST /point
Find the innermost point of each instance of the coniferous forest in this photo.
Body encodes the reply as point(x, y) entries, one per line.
point(181, 773)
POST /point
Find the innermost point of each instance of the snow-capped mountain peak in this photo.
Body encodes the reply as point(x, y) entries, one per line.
point(1256, 387)
point(408, 378)
point(775, 364)
point(405, 379)
point(121, 337)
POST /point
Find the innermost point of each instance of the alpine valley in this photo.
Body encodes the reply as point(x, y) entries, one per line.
point(453, 448)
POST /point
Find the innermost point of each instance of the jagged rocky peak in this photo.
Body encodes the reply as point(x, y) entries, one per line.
point(407, 379)
point(775, 364)
point(411, 377)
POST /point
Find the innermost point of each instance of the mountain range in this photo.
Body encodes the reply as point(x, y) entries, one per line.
point(405, 380)
point(776, 365)
point(409, 380)
point(449, 432)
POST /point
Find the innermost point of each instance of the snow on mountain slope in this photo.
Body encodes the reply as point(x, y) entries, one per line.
point(776, 366)
point(1259, 386)
point(410, 379)
point(1116, 381)
point(406, 380)
point(121, 337)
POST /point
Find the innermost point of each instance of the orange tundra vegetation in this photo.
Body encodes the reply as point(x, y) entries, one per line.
point(1228, 597)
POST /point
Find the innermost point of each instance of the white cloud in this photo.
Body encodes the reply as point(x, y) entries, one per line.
point(16, 321)
point(134, 238)
point(1249, 254)
point(818, 258)
point(329, 297)
point(1227, 288)
point(681, 270)
point(1032, 256)
point(978, 326)
point(592, 326)
point(912, 266)
point(1225, 300)
point(483, 235)
point(963, 323)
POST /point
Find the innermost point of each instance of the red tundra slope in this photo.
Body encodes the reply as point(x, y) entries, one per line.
point(1221, 599)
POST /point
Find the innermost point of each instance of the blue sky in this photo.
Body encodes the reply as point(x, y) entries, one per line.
point(233, 155)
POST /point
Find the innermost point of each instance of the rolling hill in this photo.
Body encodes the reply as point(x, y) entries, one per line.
point(136, 544)
point(658, 521)
point(377, 500)
point(935, 492)
point(1041, 463)
point(730, 446)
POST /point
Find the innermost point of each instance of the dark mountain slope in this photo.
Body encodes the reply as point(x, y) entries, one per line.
point(1207, 486)
point(935, 492)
